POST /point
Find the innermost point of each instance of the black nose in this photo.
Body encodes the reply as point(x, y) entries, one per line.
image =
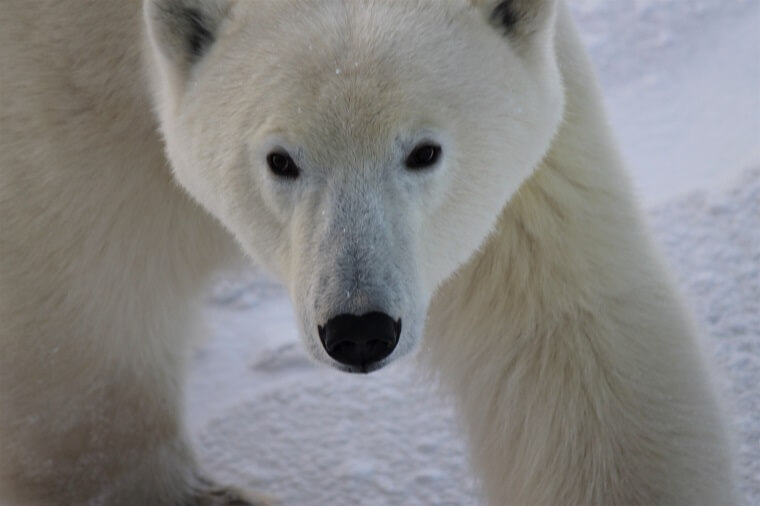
point(360, 340)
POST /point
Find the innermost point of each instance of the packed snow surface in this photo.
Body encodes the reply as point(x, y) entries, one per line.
point(682, 84)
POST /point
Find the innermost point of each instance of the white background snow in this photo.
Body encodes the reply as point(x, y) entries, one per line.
point(682, 84)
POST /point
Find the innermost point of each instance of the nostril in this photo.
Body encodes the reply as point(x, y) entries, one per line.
point(360, 340)
point(342, 348)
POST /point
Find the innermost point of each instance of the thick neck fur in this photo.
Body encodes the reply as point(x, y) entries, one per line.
point(574, 198)
point(572, 341)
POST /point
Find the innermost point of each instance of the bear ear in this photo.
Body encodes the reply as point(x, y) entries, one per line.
point(184, 30)
point(525, 22)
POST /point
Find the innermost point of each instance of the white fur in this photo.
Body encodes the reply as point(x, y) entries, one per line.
point(551, 319)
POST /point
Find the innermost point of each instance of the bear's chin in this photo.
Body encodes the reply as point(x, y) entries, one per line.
point(359, 369)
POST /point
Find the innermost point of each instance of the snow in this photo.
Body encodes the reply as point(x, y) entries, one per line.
point(682, 83)
point(320, 439)
point(684, 98)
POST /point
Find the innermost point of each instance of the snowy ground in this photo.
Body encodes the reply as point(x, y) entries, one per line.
point(682, 81)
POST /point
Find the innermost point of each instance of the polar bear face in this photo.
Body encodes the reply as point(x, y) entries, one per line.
point(361, 151)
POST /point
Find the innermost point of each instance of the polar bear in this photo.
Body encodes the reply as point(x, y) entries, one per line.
point(432, 174)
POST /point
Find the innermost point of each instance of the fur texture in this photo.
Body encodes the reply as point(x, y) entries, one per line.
point(519, 260)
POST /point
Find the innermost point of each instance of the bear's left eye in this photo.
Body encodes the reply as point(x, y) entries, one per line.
point(423, 155)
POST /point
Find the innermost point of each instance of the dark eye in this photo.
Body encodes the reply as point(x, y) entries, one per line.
point(282, 165)
point(423, 155)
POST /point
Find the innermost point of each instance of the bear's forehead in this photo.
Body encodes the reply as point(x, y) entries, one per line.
point(352, 115)
point(367, 44)
point(358, 73)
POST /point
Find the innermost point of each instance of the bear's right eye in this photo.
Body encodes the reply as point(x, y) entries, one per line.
point(282, 165)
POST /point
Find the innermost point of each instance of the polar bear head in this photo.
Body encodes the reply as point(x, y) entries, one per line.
point(360, 150)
